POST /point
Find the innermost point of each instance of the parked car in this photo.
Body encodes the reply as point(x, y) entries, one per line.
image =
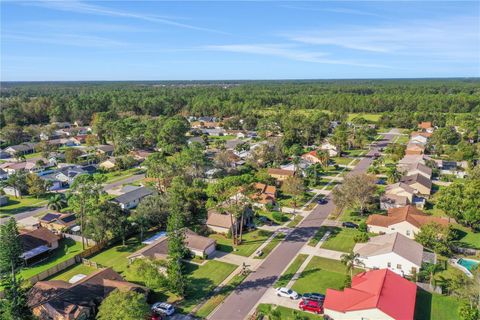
point(164, 308)
point(287, 293)
point(322, 201)
point(349, 224)
point(314, 297)
point(311, 305)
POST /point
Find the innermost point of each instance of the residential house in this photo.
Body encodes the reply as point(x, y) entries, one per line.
point(452, 168)
point(36, 244)
point(414, 148)
point(420, 133)
point(131, 199)
point(330, 148)
point(220, 222)
point(198, 245)
point(108, 164)
point(233, 144)
point(377, 294)
point(409, 160)
point(400, 189)
point(311, 157)
point(58, 222)
point(388, 201)
point(196, 140)
point(393, 251)
point(69, 173)
point(20, 149)
point(418, 138)
point(264, 194)
point(217, 132)
point(140, 155)
point(420, 183)
point(418, 168)
point(280, 174)
point(60, 300)
point(406, 220)
point(105, 149)
point(29, 166)
point(426, 126)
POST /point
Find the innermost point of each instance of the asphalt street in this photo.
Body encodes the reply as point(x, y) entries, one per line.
point(239, 304)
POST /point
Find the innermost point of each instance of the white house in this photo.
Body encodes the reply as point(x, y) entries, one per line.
point(131, 199)
point(419, 139)
point(332, 150)
point(393, 251)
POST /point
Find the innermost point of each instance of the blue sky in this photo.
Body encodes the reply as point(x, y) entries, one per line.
point(160, 40)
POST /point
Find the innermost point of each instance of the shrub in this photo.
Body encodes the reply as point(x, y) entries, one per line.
point(278, 216)
point(362, 226)
point(361, 237)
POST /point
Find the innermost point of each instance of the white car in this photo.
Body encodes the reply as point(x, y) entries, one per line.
point(162, 307)
point(287, 293)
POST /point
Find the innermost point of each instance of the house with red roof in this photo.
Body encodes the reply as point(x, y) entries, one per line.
point(377, 294)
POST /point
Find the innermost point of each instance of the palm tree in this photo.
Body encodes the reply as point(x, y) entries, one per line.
point(350, 260)
point(323, 157)
point(432, 269)
point(16, 181)
point(57, 202)
point(393, 175)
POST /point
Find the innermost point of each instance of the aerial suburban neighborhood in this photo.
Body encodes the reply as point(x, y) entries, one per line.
point(338, 178)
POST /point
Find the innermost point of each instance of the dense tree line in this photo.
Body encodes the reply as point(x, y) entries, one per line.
point(40, 103)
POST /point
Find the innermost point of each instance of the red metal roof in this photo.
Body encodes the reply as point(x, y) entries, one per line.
point(376, 289)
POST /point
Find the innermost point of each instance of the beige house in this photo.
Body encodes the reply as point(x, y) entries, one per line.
point(400, 189)
point(108, 164)
point(420, 183)
point(405, 220)
point(393, 251)
point(219, 222)
point(414, 148)
point(280, 174)
point(199, 245)
point(418, 168)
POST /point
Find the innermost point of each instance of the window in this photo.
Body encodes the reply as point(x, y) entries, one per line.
point(389, 265)
point(399, 266)
point(408, 232)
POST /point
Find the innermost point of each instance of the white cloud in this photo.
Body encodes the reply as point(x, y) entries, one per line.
point(82, 7)
point(288, 52)
point(454, 38)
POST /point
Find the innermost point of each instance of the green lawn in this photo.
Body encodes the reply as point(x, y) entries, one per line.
point(435, 306)
point(342, 160)
point(33, 155)
point(202, 280)
point(295, 221)
point(320, 274)
point(467, 238)
point(286, 200)
point(352, 215)
point(291, 270)
point(269, 214)
point(271, 245)
point(374, 117)
point(16, 205)
point(67, 248)
point(341, 239)
point(217, 298)
point(72, 271)
point(114, 176)
point(355, 152)
point(318, 235)
point(251, 241)
point(225, 137)
point(287, 313)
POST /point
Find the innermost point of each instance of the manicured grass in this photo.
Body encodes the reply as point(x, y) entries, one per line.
point(70, 272)
point(26, 203)
point(374, 117)
point(286, 200)
point(202, 280)
point(318, 236)
point(342, 160)
point(33, 155)
point(295, 221)
point(271, 245)
point(121, 174)
point(403, 139)
point(352, 215)
point(467, 238)
point(225, 138)
point(341, 239)
point(67, 248)
point(251, 241)
point(291, 270)
point(355, 152)
point(320, 274)
point(431, 306)
point(217, 298)
point(269, 214)
point(287, 313)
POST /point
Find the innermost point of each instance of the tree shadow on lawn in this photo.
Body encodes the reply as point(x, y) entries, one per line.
point(334, 231)
point(459, 235)
point(423, 305)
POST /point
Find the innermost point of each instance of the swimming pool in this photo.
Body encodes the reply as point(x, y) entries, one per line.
point(468, 263)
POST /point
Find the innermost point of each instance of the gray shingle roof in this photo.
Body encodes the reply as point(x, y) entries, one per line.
point(133, 195)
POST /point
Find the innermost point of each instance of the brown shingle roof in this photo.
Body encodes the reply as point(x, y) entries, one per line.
point(218, 219)
point(36, 238)
point(424, 181)
point(282, 172)
point(409, 213)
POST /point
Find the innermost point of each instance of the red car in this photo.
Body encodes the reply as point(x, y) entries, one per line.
point(310, 305)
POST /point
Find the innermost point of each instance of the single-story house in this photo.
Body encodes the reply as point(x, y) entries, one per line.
point(388, 201)
point(264, 194)
point(330, 148)
point(61, 300)
point(30, 166)
point(58, 222)
point(233, 143)
point(280, 174)
point(400, 189)
point(418, 168)
point(220, 222)
point(417, 137)
point(377, 294)
point(20, 149)
point(420, 183)
point(414, 148)
point(105, 149)
point(37, 244)
point(425, 125)
point(199, 245)
point(140, 155)
point(108, 164)
point(406, 220)
point(393, 251)
point(196, 140)
point(311, 157)
point(132, 198)
point(409, 160)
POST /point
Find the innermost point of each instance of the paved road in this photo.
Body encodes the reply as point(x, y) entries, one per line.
point(239, 304)
point(39, 210)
